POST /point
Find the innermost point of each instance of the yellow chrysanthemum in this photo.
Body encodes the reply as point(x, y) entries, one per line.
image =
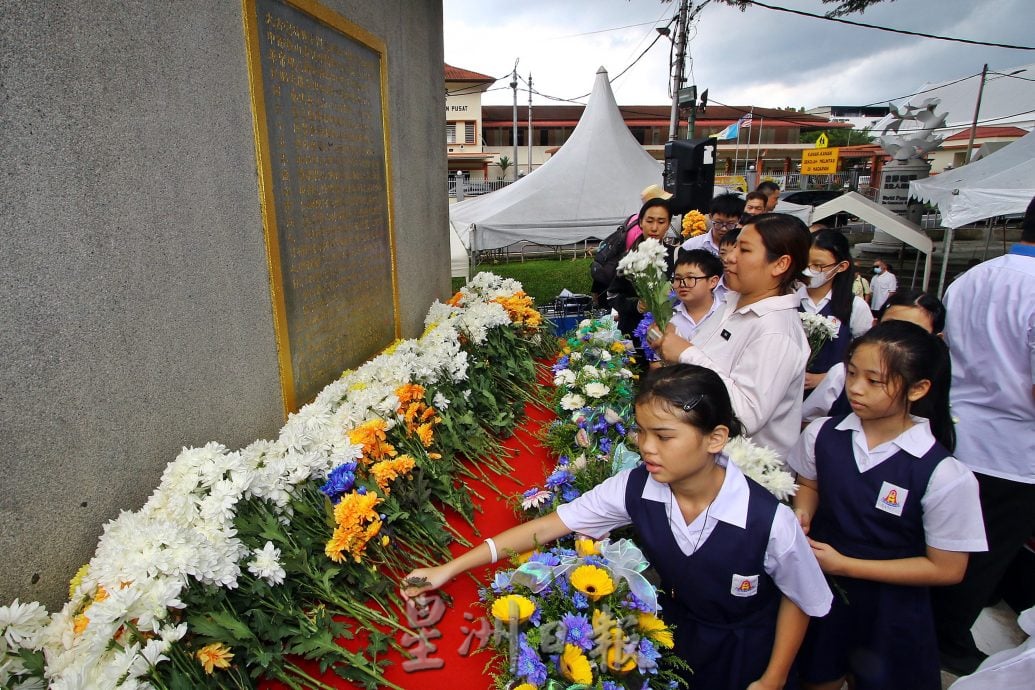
point(575, 666)
point(387, 471)
point(77, 579)
point(358, 386)
point(526, 686)
point(392, 348)
point(215, 655)
point(618, 660)
point(520, 309)
point(79, 623)
point(101, 594)
point(655, 628)
point(511, 607)
point(426, 434)
point(592, 581)
point(456, 299)
point(586, 547)
point(694, 223)
point(617, 347)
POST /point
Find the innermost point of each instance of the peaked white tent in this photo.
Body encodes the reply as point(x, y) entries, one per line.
point(587, 189)
point(999, 184)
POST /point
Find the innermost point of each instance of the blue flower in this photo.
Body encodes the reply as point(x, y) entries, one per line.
point(578, 630)
point(341, 479)
point(529, 666)
point(600, 425)
point(559, 477)
point(544, 557)
point(609, 685)
point(634, 602)
point(595, 560)
point(563, 461)
point(561, 364)
point(647, 656)
point(569, 493)
point(580, 601)
point(501, 581)
point(537, 616)
point(604, 444)
point(640, 332)
point(621, 428)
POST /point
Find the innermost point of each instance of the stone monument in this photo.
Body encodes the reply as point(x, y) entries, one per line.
point(907, 146)
point(203, 226)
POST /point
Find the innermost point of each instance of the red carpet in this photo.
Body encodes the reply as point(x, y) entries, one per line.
point(449, 667)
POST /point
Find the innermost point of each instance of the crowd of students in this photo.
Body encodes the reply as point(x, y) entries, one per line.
point(914, 539)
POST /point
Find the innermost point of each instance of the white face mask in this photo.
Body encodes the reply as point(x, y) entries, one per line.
point(818, 279)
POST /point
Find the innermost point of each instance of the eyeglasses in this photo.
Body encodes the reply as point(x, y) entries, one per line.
point(820, 268)
point(728, 224)
point(687, 281)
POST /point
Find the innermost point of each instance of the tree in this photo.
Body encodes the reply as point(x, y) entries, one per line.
point(504, 163)
point(839, 137)
point(844, 7)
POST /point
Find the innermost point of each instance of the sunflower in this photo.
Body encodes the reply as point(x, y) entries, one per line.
point(655, 628)
point(215, 655)
point(526, 686)
point(512, 606)
point(592, 581)
point(575, 665)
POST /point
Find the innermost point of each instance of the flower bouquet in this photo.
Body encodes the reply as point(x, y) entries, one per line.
point(582, 617)
point(818, 330)
point(647, 269)
point(761, 464)
point(694, 223)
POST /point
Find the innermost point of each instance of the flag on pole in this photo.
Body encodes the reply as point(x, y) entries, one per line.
point(733, 131)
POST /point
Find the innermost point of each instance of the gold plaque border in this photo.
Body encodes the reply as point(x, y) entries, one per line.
point(265, 169)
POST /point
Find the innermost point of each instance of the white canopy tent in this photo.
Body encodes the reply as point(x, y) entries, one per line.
point(883, 219)
point(1001, 183)
point(586, 190)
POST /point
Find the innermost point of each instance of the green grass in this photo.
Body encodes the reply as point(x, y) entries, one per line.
point(543, 279)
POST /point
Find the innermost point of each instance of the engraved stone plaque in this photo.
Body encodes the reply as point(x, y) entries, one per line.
point(318, 96)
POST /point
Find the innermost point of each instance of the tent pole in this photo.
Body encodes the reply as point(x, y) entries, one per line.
point(988, 239)
point(946, 249)
point(927, 271)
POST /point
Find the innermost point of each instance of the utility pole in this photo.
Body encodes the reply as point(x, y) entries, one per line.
point(513, 85)
point(977, 109)
point(529, 123)
point(677, 69)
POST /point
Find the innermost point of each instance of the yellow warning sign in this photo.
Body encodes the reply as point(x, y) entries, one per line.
point(819, 161)
point(822, 142)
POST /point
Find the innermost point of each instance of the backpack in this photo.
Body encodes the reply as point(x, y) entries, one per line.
point(604, 268)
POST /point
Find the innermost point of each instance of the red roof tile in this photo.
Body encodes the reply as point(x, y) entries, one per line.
point(987, 133)
point(460, 74)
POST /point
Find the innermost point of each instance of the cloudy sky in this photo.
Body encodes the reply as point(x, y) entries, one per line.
point(758, 57)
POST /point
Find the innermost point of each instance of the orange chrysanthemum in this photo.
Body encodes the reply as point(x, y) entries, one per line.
point(387, 471)
point(357, 522)
point(409, 393)
point(426, 433)
point(371, 435)
point(694, 223)
point(79, 624)
point(520, 308)
point(456, 299)
point(215, 655)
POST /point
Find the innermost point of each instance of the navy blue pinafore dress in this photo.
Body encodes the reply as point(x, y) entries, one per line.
point(834, 350)
point(884, 635)
point(720, 600)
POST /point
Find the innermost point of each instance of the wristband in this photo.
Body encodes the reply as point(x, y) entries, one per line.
point(492, 549)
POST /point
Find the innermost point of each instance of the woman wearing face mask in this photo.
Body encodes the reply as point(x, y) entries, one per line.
point(829, 293)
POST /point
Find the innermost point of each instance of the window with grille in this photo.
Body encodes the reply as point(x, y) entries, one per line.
point(450, 132)
point(469, 133)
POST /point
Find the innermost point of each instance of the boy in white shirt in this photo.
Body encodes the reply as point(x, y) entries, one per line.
point(696, 276)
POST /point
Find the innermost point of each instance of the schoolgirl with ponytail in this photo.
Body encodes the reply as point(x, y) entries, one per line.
point(889, 513)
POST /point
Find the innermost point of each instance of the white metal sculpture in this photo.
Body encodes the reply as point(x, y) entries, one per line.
point(913, 142)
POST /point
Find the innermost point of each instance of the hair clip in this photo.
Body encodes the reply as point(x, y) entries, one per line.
point(692, 403)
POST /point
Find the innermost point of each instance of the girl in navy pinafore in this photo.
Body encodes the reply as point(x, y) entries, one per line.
point(738, 575)
point(889, 513)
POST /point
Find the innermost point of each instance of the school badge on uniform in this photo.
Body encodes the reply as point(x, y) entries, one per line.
point(892, 499)
point(744, 585)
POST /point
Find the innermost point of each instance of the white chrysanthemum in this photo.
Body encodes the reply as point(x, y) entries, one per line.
point(564, 377)
point(573, 401)
point(440, 401)
point(817, 325)
point(266, 564)
point(596, 389)
point(761, 464)
point(590, 372)
point(575, 356)
point(23, 624)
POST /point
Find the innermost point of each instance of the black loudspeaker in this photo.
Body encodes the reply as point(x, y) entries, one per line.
point(690, 174)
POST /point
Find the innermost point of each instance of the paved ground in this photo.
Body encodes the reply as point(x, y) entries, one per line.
point(995, 630)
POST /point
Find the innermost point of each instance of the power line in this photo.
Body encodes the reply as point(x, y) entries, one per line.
point(602, 31)
point(887, 28)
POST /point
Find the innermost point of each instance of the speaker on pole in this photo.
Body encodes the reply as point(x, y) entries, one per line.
point(689, 174)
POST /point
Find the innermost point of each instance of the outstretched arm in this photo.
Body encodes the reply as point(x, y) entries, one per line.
point(937, 568)
point(517, 539)
point(791, 624)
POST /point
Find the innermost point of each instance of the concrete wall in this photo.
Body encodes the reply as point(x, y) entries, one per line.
point(135, 294)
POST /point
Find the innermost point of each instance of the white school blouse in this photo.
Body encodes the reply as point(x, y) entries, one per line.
point(788, 556)
point(704, 241)
point(685, 325)
point(951, 506)
point(990, 330)
point(817, 403)
point(760, 352)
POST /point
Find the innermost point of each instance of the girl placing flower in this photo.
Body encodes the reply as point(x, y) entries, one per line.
point(738, 578)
